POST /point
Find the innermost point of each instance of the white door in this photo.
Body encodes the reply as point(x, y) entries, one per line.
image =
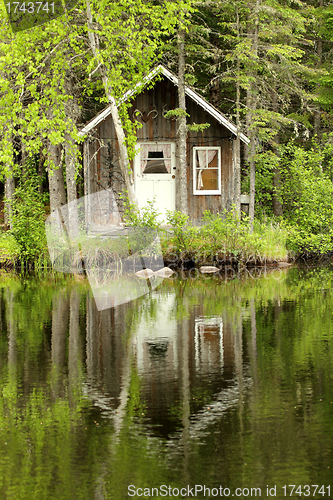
point(155, 175)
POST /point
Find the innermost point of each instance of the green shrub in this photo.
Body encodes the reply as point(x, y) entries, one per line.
point(29, 221)
point(225, 238)
point(144, 217)
point(183, 233)
point(9, 249)
point(306, 193)
point(266, 162)
point(222, 237)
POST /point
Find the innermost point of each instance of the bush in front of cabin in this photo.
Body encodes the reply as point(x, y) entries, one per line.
point(28, 219)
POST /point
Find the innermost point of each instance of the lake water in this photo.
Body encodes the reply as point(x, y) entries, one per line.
point(206, 388)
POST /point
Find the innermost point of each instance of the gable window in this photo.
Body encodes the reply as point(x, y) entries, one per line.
point(207, 170)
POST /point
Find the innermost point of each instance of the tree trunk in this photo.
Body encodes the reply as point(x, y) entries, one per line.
point(24, 159)
point(252, 178)
point(277, 205)
point(317, 113)
point(248, 123)
point(237, 176)
point(182, 133)
point(70, 158)
point(56, 179)
point(237, 162)
point(40, 171)
point(9, 195)
point(253, 108)
point(123, 157)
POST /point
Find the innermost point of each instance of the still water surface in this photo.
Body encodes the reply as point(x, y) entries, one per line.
point(204, 382)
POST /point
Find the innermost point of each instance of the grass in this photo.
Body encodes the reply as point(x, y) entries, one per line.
point(11, 257)
point(221, 240)
point(9, 250)
point(224, 239)
point(274, 242)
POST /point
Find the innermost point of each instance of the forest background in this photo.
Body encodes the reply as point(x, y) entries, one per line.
point(267, 65)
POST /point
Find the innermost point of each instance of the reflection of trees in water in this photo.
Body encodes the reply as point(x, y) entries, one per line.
point(76, 367)
point(37, 423)
point(60, 311)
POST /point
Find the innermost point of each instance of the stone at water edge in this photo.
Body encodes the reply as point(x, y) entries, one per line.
point(208, 269)
point(165, 272)
point(145, 273)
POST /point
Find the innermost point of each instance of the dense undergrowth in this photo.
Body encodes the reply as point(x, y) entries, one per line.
point(305, 230)
point(304, 190)
point(224, 240)
point(221, 239)
point(24, 246)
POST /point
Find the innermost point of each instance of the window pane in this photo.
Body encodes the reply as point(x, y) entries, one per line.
point(207, 179)
point(155, 154)
point(155, 167)
point(155, 159)
point(207, 170)
point(214, 162)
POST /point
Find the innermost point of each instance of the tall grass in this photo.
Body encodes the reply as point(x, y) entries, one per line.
point(11, 256)
point(221, 239)
point(224, 239)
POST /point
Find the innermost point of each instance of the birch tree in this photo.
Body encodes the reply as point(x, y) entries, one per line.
point(94, 42)
point(123, 39)
point(33, 65)
point(182, 133)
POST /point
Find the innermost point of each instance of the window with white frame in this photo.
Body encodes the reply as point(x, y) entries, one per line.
point(207, 170)
point(155, 158)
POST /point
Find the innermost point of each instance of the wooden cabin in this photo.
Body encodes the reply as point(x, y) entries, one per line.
point(211, 154)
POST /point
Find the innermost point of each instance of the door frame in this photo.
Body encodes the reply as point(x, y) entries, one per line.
point(171, 176)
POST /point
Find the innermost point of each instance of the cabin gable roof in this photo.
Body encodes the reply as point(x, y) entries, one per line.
point(192, 94)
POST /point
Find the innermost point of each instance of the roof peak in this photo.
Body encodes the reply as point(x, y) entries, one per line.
point(161, 69)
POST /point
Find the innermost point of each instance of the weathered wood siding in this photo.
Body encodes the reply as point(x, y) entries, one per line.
point(148, 110)
point(214, 135)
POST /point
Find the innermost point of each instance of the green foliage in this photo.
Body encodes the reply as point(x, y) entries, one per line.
point(175, 113)
point(183, 232)
point(28, 218)
point(197, 127)
point(9, 249)
point(265, 164)
point(144, 217)
point(222, 237)
point(225, 238)
point(34, 98)
point(306, 193)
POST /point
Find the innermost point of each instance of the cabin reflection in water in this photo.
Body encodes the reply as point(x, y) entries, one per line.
point(208, 344)
point(193, 361)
